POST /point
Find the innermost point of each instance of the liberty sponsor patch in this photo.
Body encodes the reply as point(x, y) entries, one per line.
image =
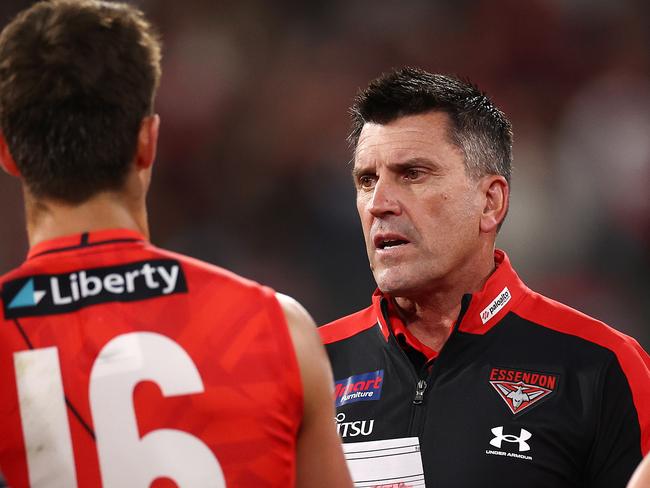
point(521, 389)
point(359, 388)
point(61, 293)
point(497, 304)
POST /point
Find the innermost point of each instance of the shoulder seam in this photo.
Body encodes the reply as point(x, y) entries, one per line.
point(347, 327)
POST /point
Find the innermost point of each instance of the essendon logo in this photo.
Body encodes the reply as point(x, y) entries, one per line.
point(521, 389)
point(359, 388)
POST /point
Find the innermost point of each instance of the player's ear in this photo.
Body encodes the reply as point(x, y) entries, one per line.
point(147, 141)
point(496, 190)
point(6, 159)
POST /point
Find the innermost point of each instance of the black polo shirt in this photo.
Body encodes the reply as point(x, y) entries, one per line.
point(526, 392)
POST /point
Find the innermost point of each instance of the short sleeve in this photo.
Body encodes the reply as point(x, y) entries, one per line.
point(617, 446)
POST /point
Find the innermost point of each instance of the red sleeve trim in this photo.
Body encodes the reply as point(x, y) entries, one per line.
point(634, 361)
point(348, 326)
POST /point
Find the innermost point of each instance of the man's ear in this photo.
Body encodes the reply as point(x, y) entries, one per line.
point(147, 141)
point(496, 191)
point(6, 159)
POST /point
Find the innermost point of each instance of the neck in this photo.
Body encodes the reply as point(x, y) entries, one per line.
point(431, 316)
point(49, 219)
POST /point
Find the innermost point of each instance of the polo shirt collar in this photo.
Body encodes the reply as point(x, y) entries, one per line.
point(502, 291)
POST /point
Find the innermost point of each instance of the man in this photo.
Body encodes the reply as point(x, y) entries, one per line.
point(457, 361)
point(122, 364)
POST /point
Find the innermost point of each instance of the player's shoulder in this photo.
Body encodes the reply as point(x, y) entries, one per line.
point(348, 326)
point(200, 271)
point(564, 319)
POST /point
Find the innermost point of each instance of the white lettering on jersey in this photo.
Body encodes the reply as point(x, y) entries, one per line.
point(125, 458)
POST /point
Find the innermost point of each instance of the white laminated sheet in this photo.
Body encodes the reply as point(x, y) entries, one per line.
point(392, 463)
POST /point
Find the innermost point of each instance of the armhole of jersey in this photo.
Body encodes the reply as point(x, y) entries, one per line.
point(289, 360)
point(632, 359)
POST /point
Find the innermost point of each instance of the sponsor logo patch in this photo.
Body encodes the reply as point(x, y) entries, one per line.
point(353, 428)
point(518, 442)
point(500, 437)
point(497, 304)
point(359, 388)
point(521, 389)
point(62, 293)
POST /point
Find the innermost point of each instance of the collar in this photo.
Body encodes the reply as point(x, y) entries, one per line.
point(403, 335)
point(83, 240)
point(501, 293)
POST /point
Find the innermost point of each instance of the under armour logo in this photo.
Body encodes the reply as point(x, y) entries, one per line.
point(524, 435)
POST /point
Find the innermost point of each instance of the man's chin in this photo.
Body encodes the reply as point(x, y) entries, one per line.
point(397, 284)
point(395, 288)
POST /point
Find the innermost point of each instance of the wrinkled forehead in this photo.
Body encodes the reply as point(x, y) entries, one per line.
point(409, 137)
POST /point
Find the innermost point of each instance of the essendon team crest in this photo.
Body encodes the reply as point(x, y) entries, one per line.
point(521, 389)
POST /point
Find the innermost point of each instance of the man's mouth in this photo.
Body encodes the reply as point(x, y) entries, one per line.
point(389, 241)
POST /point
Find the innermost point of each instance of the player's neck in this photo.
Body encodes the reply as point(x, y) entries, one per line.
point(48, 219)
point(431, 315)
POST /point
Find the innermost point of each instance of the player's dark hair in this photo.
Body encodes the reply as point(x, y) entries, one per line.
point(477, 127)
point(76, 79)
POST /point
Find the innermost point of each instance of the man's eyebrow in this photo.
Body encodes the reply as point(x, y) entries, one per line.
point(356, 172)
point(400, 165)
point(417, 161)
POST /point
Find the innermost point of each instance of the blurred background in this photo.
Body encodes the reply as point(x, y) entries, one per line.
point(253, 171)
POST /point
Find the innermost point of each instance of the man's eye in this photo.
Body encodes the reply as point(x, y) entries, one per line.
point(366, 181)
point(412, 174)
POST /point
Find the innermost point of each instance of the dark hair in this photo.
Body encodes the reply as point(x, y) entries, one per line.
point(477, 127)
point(76, 79)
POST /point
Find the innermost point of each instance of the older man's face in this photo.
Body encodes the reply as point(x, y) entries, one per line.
point(419, 209)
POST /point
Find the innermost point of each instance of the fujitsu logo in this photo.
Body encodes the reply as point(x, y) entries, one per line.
point(355, 428)
point(497, 304)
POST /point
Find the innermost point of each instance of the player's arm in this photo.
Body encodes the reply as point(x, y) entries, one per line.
point(641, 477)
point(320, 461)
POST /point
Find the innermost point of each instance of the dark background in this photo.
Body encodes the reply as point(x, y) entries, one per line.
point(253, 168)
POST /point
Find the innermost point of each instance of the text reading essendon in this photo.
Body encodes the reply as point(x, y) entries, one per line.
point(534, 379)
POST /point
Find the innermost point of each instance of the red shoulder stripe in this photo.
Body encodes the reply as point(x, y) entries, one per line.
point(348, 326)
point(634, 361)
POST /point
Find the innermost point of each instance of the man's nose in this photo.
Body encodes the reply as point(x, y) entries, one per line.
point(385, 199)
